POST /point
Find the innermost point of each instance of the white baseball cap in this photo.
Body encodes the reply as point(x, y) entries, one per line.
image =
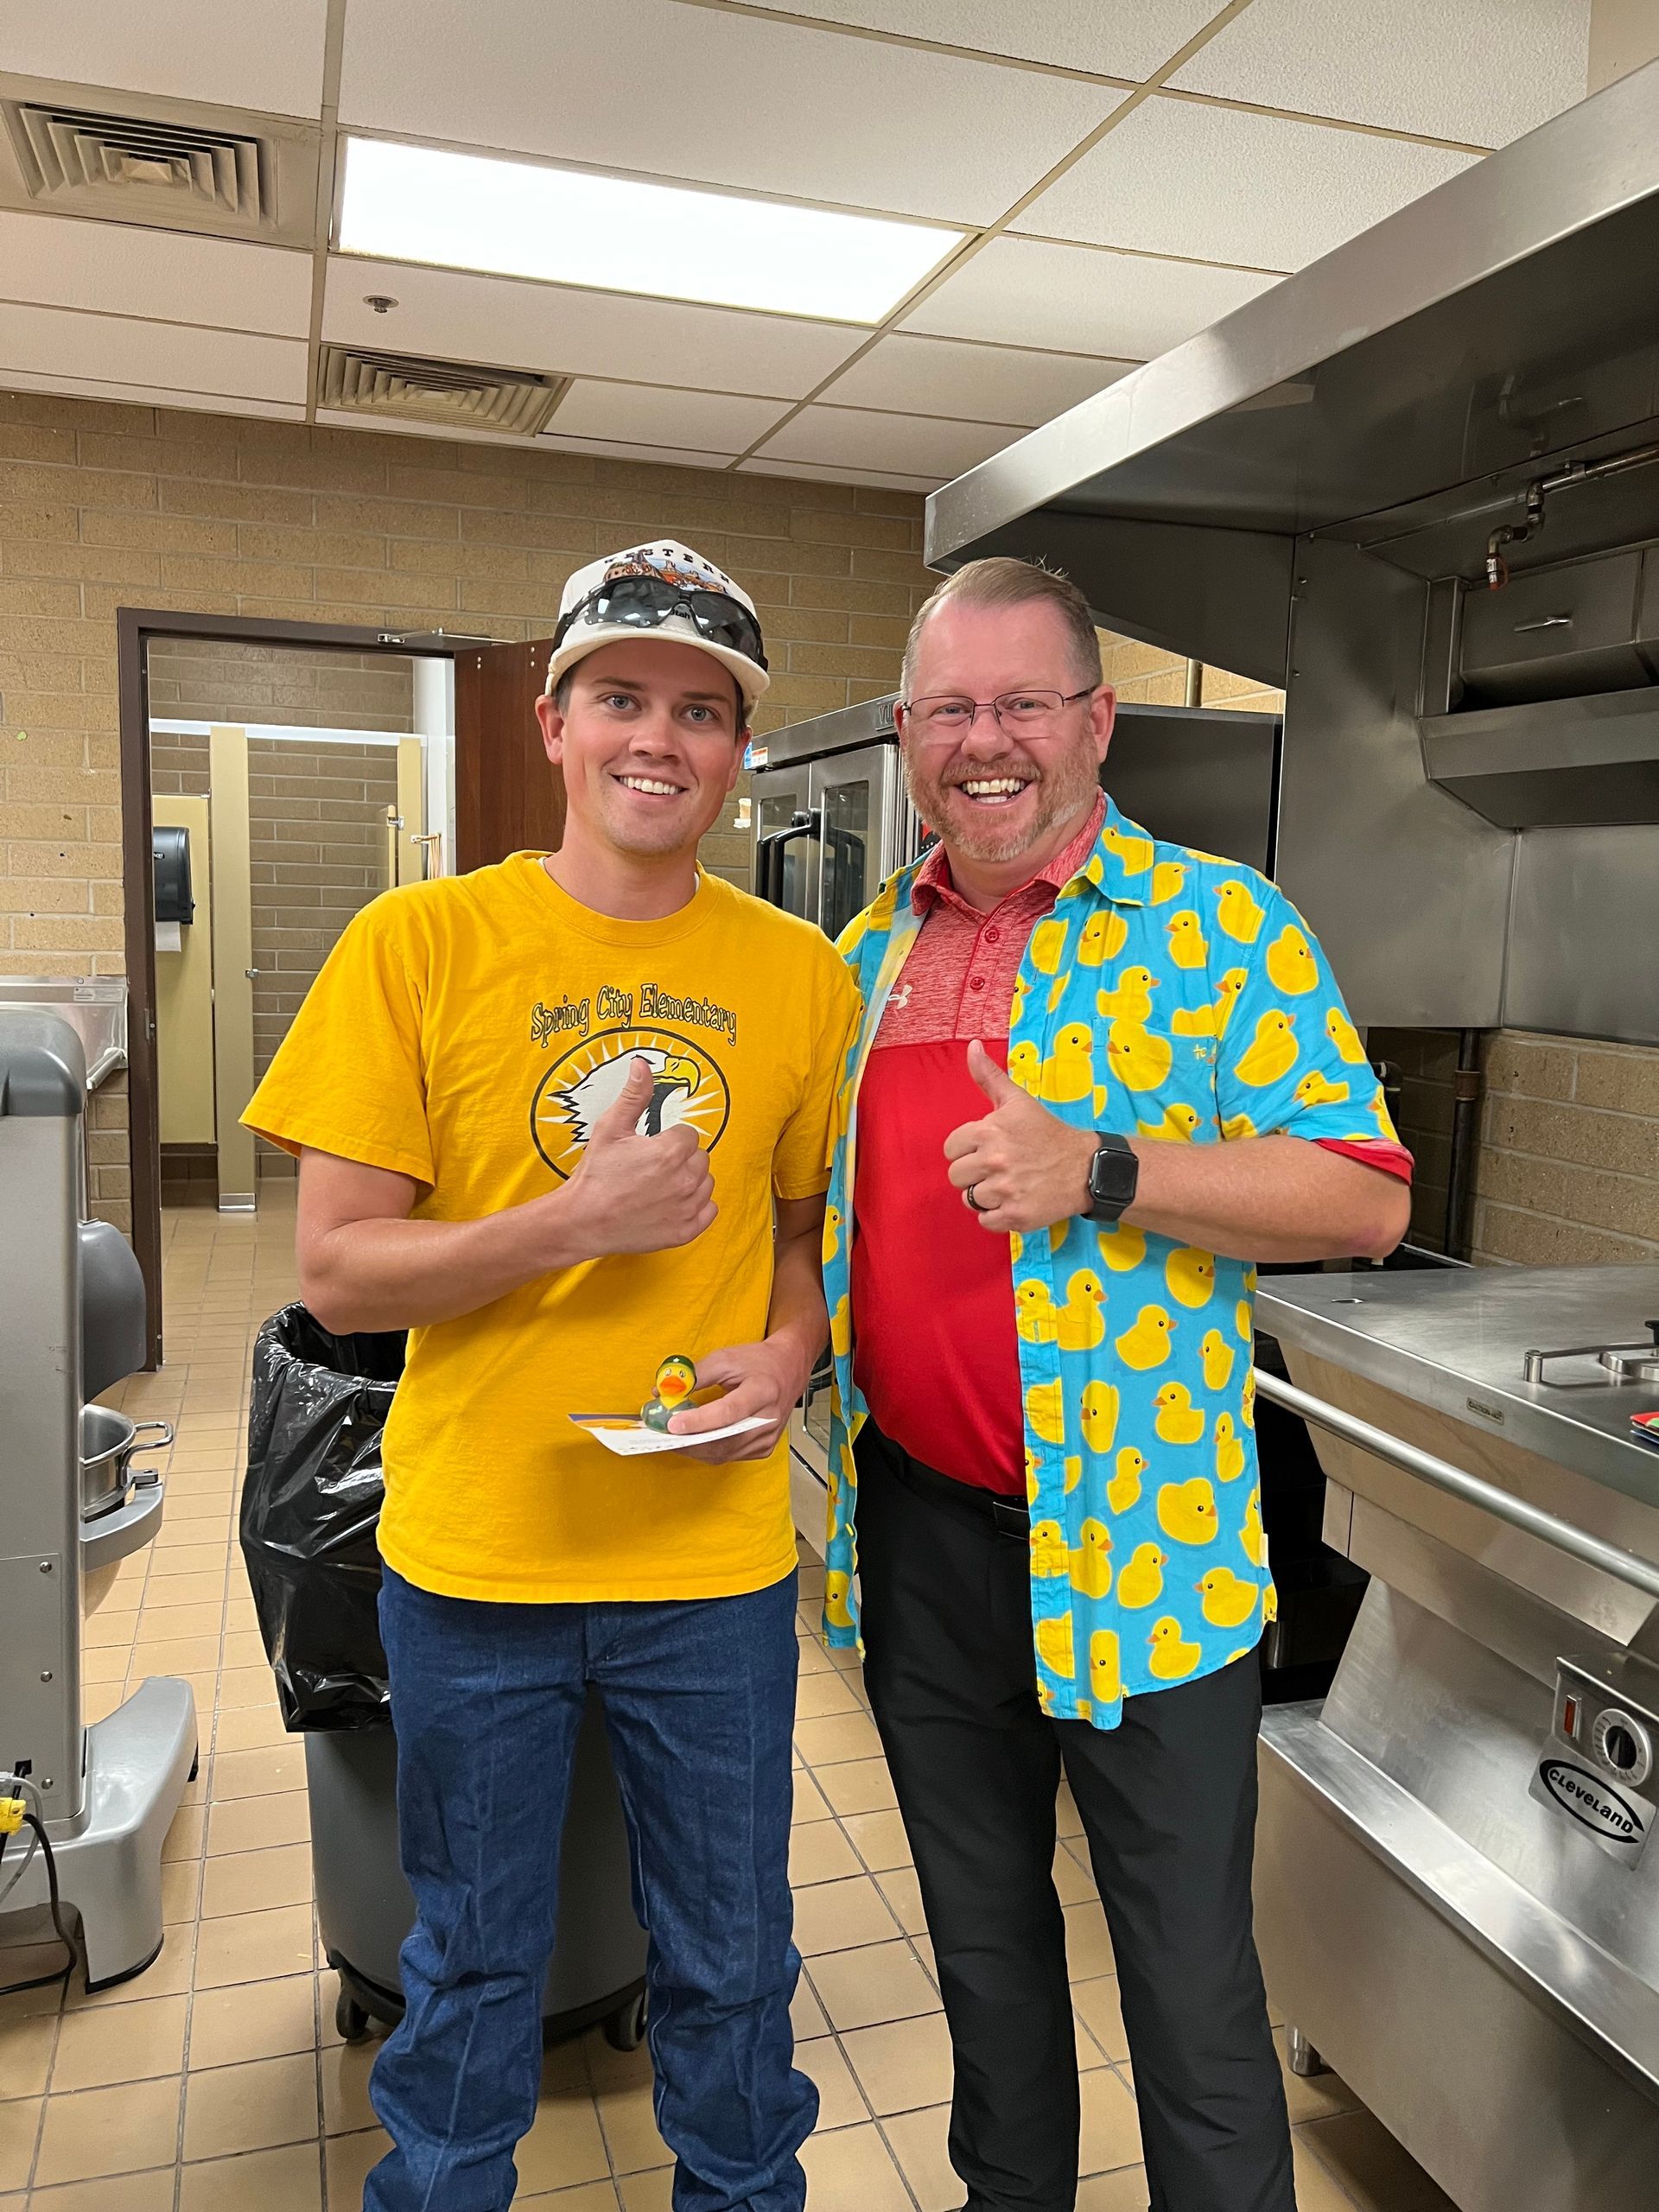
point(589, 618)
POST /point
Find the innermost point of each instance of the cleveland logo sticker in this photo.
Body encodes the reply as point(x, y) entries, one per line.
point(578, 1087)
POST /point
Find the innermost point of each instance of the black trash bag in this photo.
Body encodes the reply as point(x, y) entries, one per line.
point(310, 1505)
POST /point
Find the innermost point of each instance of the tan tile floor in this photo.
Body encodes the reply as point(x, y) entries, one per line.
point(215, 2082)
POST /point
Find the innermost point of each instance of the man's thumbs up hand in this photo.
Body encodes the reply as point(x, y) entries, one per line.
point(1020, 1167)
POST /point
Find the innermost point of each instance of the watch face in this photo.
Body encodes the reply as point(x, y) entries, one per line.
point(1113, 1174)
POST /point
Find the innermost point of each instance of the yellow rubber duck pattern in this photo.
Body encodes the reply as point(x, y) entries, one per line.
point(1170, 995)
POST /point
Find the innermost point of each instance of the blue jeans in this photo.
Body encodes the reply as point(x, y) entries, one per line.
point(699, 1702)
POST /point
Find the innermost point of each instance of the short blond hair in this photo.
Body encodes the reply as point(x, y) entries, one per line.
point(1001, 581)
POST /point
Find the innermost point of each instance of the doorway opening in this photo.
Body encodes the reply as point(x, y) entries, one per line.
point(275, 778)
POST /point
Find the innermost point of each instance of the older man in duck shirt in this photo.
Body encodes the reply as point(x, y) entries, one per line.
point(1098, 1076)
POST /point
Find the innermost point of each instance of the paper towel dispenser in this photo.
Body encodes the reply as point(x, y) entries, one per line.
point(171, 848)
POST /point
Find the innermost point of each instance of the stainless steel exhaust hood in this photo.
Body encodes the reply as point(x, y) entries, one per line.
point(1322, 490)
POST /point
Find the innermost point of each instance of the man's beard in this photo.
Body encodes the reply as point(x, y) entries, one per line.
point(1065, 790)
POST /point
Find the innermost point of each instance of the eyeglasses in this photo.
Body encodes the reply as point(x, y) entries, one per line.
point(1026, 713)
point(647, 602)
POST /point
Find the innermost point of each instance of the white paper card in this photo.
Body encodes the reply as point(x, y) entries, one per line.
point(630, 1440)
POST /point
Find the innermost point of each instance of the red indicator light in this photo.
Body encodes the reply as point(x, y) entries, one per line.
point(1569, 1716)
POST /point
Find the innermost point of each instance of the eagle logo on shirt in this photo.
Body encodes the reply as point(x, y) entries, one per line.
point(580, 1086)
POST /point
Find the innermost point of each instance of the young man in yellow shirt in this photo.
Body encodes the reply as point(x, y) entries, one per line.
point(560, 1118)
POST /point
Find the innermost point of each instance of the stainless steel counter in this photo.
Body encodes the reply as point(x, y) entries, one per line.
point(1476, 1951)
point(1457, 1342)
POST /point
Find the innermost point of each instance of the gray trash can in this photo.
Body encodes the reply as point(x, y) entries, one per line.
point(364, 1908)
point(310, 1506)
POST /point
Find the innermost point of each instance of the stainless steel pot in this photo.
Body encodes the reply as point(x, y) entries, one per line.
point(108, 1441)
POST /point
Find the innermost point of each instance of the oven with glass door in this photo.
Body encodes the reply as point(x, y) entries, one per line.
point(832, 821)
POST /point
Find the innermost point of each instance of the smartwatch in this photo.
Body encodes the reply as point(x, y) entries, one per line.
point(1114, 1173)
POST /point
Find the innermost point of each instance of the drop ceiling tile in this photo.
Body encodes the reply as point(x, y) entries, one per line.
point(1027, 290)
point(837, 437)
point(151, 395)
point(662, 415)
point(1485, 70)
point(560, 331)
point(1113, 38)
point(886, 480)
point(186, 49)
point(984, 383)
point(1221, 184)
point(66, 262)
point(719, 98)
point(111, 348)
point(620, 449)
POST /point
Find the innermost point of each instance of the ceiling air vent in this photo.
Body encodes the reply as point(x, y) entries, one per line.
point(129, 166)
point(457, 394)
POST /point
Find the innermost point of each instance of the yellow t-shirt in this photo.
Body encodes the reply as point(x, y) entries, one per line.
point(467, 1032)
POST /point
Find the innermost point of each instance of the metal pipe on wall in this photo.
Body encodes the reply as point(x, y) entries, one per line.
point(1465, 1121)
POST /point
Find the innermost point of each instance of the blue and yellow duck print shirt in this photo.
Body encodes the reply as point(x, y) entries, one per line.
point(1173, 995)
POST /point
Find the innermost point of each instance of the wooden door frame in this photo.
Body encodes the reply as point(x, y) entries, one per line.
point(135, 627)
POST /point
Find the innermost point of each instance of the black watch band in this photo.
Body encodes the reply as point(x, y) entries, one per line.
point(1114, 1173)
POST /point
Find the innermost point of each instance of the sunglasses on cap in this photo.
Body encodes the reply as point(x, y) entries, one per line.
point(647, 602)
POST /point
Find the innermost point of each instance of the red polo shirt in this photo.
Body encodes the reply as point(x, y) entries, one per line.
point(935, 1350)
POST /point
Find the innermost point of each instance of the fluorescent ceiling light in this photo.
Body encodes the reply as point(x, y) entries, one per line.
point(569, 226)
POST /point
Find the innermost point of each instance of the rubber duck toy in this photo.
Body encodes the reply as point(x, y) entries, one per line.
point(1123, 1491)
point(1091, 1561)
point(1139, 1059)
point(1099, 1422)
point(1105, 1678)
point(1343, 1035)
point(1217, 1357)
point(1187, 948)
point(1146, 1343)
point(1271, 1053)
point(1172, 1655)
point(1141, 1581)
point(1129, 999)
point(676, 1378)
point(1187, 1512)
point(1179, 1421)
point(1054, 1644)
point(1236, 911)
point(1313, 1089)
point(1230, 1450)
point(1291, 964)
point(1104, 935)
point(1228, 1600)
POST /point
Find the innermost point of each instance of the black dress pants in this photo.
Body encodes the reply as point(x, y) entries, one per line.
point(1168, 1806)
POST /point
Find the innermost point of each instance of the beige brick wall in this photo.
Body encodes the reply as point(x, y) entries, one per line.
point(317, 852)
point(105, 506)
point(1568, 1167)
point(1146, 676)
point(202, 679)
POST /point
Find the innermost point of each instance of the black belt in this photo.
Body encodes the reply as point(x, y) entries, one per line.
point(1004, 1516)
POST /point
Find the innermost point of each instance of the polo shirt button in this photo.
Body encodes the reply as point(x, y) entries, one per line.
point(993, 936)
point(975, 982)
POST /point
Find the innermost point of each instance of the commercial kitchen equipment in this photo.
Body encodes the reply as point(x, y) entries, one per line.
point(1456, 1902)
point(1417, 486)
point(830, 815)
point(71, 1506)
